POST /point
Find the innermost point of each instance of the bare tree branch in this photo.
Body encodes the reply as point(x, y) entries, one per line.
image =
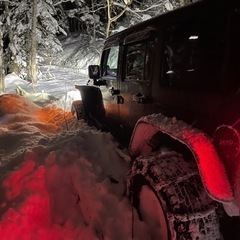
point(110, 18)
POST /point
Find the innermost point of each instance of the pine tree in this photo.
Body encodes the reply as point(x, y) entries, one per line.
point(23, 51)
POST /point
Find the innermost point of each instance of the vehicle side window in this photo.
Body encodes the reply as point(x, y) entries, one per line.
point(191, 54)
point(138, 61)
point(110, 62)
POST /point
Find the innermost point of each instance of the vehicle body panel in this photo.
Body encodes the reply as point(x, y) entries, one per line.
point(184, 65)
point(194, 102)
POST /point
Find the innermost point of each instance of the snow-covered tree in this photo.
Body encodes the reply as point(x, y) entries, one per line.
point(111, 19)
point(1, 59)
point(126, 13)
point(19, 18)
point(138, 11)
point(88, 16)
point(2, 30)
point(104, 17)
point(48, 27)
point(97, 18)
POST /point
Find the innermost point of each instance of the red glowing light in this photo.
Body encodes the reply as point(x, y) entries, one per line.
point(211, 167)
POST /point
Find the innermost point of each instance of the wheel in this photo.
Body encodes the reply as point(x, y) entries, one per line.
point(151, 211)
point(169, 197)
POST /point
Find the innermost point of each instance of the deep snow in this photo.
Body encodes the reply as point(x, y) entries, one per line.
point(60, 178)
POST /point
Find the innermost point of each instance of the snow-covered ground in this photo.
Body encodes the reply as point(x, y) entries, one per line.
point(60, 178)
point(54, 80)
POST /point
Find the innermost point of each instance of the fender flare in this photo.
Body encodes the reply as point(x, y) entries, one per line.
point(92, 101)
point(211, 168)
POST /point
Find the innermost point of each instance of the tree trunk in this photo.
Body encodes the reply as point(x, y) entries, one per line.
point(32, 68)
point(94, 23)
point(12, 64)
point(2, 85)
point(109, 18)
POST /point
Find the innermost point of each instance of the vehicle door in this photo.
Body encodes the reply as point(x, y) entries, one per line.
point(109, 74)
point(135, 85)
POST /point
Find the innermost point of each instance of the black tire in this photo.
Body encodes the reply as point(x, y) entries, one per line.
point(188, 211)
point(77, 109)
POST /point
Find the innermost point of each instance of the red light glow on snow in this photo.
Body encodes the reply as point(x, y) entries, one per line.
point(57, 196)
point(24, 218)
point(29, 211)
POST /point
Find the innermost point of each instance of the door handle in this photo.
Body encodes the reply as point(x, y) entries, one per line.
point(139, 98)
point(114, 91)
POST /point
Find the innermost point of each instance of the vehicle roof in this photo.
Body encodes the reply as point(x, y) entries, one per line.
point(211, 5)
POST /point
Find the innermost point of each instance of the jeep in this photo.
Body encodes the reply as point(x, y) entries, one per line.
point(169, 88)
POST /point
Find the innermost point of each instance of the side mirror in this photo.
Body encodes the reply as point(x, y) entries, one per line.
point(99, 82)
point(93, 72)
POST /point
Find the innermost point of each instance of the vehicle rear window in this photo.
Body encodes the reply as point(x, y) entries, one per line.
point(192, 54)
point(138, 60)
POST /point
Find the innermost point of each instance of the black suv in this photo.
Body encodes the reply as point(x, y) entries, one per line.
point(170, 88)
